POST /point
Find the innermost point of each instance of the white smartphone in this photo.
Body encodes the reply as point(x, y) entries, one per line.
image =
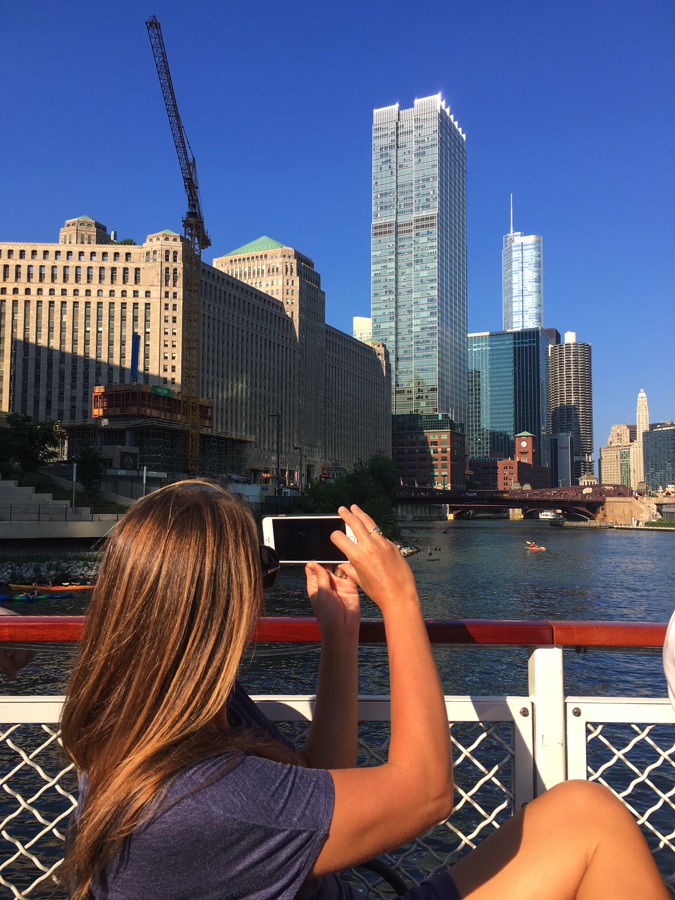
point(299, 539)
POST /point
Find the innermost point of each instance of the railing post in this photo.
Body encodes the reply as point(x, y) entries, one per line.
point(546, 689)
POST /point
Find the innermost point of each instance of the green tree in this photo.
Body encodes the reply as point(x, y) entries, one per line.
point(90, 466)
point(371, 485)
point(26, 444)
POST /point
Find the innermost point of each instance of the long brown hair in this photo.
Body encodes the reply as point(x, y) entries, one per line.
point(176, 600)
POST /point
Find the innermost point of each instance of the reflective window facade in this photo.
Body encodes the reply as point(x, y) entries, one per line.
point(659, 456)
point(522, 282)
point(508, 378)
point(418, 256)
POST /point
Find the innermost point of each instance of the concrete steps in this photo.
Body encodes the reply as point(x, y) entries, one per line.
point(13, 494)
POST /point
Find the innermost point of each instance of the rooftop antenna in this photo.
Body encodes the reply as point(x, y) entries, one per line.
point(511, 232)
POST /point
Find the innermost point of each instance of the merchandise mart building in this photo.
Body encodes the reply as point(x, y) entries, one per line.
point(418, 271)
point(69, 313)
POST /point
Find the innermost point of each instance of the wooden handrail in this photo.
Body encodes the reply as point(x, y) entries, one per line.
point(486, 632)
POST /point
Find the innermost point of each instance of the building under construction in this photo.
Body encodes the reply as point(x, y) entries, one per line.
point(144, 425)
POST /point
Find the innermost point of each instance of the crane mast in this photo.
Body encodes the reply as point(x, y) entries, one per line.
point(196, 240)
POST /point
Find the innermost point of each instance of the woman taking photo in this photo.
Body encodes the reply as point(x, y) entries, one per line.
point(187, 791)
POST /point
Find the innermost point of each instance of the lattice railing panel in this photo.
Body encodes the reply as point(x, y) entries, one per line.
point(38, 794)
point(634, 759)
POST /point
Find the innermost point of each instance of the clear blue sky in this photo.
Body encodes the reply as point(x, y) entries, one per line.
point(569, 106)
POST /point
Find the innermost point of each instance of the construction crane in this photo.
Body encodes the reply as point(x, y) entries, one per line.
point(196, 240)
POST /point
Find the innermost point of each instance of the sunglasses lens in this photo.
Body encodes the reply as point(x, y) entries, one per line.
point(269, 562)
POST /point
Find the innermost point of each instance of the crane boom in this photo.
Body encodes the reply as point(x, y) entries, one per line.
point(186, 159)
point(196, 240)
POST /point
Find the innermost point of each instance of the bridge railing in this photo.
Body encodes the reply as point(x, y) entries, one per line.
point(507, 749)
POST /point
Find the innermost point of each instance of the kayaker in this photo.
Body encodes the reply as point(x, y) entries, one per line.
point(187, 790)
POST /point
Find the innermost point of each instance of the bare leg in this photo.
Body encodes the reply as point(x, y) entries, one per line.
point(575, 841)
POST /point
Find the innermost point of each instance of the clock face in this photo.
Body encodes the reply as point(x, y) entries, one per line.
point(523, 443)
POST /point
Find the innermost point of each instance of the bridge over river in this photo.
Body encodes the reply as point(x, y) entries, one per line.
point(577, 502)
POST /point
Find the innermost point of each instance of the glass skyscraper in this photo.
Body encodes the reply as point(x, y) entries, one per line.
point(522, 281)
point(508, 392)
point(418, 255)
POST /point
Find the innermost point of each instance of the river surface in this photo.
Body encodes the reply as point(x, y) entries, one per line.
point(481, 569)
point(478, 569)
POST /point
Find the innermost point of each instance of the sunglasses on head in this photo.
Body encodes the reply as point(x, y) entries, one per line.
point(269, 563)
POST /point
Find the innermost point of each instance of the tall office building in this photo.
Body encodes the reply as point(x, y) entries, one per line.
point(508, 378)
point(571, 399)
point(522, 281)
point(419, 293)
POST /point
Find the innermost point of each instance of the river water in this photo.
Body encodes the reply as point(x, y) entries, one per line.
point(478, 569)
point(481, 569)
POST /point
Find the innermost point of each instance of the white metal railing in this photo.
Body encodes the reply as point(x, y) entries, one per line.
point(507, 749)
point(501, 753)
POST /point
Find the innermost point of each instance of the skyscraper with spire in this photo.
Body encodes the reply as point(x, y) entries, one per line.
point(522, 280)
point(641, 425)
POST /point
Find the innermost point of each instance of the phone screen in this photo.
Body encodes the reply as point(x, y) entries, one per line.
point(299, 539)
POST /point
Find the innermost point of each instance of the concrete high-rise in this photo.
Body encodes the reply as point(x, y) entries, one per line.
point(418, 244)
point(570, 399)
point(522, 281)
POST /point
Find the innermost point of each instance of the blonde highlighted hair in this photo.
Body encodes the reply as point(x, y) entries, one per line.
point(177, 597)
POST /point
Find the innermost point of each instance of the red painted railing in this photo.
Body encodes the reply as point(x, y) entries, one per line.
point(506, 632)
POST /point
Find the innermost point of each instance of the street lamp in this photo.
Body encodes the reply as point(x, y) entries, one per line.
point(277, 416)
point(299, 449)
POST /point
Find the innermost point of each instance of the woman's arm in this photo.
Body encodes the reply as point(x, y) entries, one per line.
point(377, 809)
point(332, 738)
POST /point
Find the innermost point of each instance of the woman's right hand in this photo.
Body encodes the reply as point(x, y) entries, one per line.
point(375, 563)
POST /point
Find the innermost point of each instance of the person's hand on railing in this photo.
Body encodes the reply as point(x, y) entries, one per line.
point(12, 660)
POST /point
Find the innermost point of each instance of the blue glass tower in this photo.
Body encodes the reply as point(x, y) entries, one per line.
point(508, 392)
point(418, 255)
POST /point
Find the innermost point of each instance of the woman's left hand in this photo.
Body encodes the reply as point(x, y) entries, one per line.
point(334, 599)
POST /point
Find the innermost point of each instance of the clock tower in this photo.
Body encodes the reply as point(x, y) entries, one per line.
point(524, 448)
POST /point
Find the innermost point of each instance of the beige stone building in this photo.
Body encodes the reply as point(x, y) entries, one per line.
point(280, 379)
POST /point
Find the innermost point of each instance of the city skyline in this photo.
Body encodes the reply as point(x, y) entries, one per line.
point(587, 153)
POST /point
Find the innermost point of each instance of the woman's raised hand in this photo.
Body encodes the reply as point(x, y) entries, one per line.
point(334, 599)
point(375, 563)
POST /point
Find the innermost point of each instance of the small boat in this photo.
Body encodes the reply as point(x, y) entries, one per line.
point(535, 548)
point(52, 588)
point(27, 596)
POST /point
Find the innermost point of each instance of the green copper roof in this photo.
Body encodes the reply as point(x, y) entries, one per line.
point(86, 218)
point(167, 231)
point(525, 434)
point(263, 243)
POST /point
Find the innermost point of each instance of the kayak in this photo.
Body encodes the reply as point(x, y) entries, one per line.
point(52, 588)
point(6, 598)
point(534, 547)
